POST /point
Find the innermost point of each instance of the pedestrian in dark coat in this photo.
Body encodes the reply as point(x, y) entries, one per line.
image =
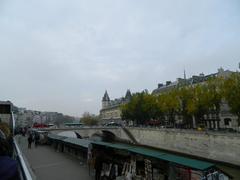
point(30, 140)
point(36, 139)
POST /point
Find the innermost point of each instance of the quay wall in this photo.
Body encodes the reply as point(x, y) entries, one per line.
point(222, 147)
point(211, 145)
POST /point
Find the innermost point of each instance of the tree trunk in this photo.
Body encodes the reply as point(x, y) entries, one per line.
point(238, 120)
point(193, 121)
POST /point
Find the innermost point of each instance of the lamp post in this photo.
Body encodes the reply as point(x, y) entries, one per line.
point(41, 122)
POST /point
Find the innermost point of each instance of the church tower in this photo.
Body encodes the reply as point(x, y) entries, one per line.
point(128, 96)
point(105, 100)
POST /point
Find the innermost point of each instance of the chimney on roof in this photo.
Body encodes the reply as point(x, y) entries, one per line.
point(160, 85)
point(168, 83)
point(220, 70)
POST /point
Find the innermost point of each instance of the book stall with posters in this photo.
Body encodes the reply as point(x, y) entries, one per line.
point(130, 162)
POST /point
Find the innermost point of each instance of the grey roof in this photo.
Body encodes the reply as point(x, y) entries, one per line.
point(6, 102)
point(165, 88)
point(105, 97)
point(116, 102)
point(193, 80)
point(128, 94)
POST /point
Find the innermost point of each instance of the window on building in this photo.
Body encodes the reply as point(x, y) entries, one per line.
point(227, 121)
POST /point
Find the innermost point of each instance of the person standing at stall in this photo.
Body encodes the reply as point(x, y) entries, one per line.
point(36, 139)
point(30, 140)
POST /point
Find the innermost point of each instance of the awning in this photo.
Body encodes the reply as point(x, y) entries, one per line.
point(161, 155)
point(158, 154)
point(79, 142)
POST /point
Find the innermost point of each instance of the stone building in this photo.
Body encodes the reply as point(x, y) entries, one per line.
point(6, 112)
point(111, 111)
point(194, 80)
point(23, 118)
point(226, 119)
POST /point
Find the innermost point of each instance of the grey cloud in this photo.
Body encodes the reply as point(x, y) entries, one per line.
point(61, 55)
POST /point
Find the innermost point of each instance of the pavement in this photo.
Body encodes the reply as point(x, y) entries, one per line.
point(48, 164)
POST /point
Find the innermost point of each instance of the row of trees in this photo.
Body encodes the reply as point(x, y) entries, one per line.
point(89, 119)
point(193, 103)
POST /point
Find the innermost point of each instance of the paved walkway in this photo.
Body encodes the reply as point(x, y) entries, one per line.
point(47, 164)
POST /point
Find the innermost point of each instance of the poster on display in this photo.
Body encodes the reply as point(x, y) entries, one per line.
point(148, 169)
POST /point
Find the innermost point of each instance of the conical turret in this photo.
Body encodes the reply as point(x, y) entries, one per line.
point(105, 100)
point(128, 95)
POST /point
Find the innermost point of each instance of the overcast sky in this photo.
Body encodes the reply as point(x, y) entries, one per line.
point(61, 55)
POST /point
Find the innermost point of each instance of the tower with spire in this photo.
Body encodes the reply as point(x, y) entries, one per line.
point(128, 95)
point(105, 100)
point(111, 109)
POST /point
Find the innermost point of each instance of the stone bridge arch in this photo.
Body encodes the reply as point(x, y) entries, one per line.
point(88, 132)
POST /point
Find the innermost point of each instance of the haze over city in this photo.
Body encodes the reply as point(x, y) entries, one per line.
point(62, 55)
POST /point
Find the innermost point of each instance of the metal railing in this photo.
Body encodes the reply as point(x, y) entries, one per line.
point(24, 170)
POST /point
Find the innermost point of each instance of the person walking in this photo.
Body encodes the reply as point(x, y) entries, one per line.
point(30, 140)
point(36, 139)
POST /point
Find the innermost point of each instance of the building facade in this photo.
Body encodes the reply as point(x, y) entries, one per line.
point(225, 120)
point(111, 111)
point(6, 112)
point(194, 80)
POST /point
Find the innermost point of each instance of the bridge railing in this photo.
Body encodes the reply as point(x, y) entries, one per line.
point(23, 168)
